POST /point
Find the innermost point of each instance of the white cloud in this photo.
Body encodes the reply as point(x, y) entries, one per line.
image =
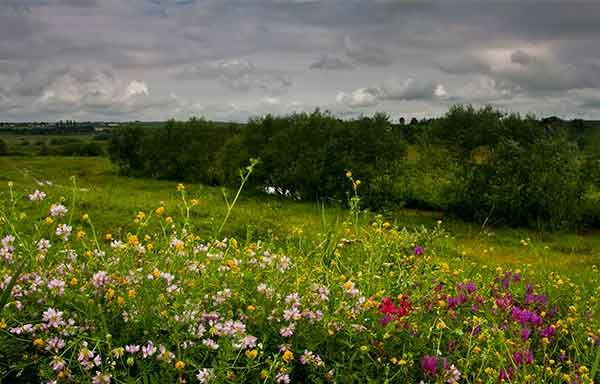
point(360, 98)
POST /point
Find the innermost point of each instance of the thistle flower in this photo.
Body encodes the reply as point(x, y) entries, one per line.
point(429, 365)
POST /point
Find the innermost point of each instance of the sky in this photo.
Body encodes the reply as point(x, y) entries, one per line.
point(226, 60)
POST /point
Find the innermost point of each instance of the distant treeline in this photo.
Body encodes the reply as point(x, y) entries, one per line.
point(480, 164)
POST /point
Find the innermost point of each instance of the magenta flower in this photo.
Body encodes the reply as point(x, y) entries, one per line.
point(429, 365)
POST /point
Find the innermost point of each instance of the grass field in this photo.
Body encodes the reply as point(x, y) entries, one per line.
point(109, 197)
point(108, 279)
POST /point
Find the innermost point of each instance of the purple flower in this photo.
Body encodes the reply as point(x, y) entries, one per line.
point(525, 332)
point(429, 365)
point(419, 250)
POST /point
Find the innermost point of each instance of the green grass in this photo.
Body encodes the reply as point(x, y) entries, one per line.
point(108, 197)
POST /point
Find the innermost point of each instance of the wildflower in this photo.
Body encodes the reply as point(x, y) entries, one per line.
point(43, 245)
point(179, 364)
point(180, 187)
point(38, 342)
point(101, 378)
point(164, 355)
point(57, 286)
point(282, 378)
point(429, 365)
point(55, 344)
point(288, 356)
point(58, 210)
point(210, 344)
point(452, 373)
point(53, 317)
point(418, 250)
point(63, 230)
point(57, 364)
point(148, 350)
point(132, 348)
point(204, 375)
point(251, 354)
point(287, 331)
point(37, 196)
point(100, 279)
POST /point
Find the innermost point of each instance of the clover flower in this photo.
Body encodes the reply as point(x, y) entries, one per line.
point(58, 210)
point(37, 196)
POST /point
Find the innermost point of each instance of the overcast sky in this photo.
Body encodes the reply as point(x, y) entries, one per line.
point(228, 60)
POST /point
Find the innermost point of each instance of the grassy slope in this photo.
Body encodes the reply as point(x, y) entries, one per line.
point(108, 198)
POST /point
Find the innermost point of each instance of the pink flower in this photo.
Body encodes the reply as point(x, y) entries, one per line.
point(58, 210)
point(132, 348)
point(101, 378)
point(149, 349)
point(37, 196)
point(204, 375)
point(53, 317)
point(287, 331)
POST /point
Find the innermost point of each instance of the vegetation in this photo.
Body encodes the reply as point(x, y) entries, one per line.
point(157, 296)
point(481, 165)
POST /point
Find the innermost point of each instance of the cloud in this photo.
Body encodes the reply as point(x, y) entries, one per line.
point(239, 75)
point(366, 53)
point(331, 62)
point(360, 98)
point(412, 89)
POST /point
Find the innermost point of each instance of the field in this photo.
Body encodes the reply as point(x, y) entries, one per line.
point(115, 279)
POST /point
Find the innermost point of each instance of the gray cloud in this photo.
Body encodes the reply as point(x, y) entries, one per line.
point(234, 59)
point(331, 62)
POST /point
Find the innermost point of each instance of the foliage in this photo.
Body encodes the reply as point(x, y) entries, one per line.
point(170, 305)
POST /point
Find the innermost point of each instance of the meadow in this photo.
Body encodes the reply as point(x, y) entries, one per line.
point(111, 279)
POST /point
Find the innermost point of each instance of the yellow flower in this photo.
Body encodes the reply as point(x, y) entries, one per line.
point(251, 308)
point(180, 187)
point(131, 293)
point(120, 300)
point(73, 281)
point(160, 210)
point(169, 220)
point(348, 174)
point(251, 354)
point(179, 364)
point(288, 356)
point(38, 342)
point(85, 217)
point(80, 235)
point(110, 293)
point(2, 324)
point(264, 374)
point(133, 240)
point(195, 202)
point(48, 220)
point(440, 324)
point(108, 237)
